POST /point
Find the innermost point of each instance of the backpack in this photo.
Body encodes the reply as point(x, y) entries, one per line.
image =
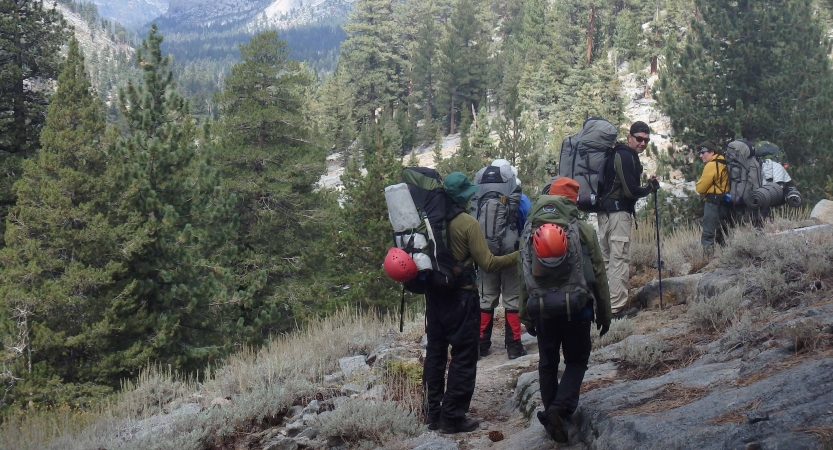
point(571, 296)
point(495, 206)
point(420, 211)
point(583, 158)
point(744, 172)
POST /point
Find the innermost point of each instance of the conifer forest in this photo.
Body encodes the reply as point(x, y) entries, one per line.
point(159, 209)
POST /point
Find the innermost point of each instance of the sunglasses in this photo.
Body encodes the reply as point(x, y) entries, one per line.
point(641, 139)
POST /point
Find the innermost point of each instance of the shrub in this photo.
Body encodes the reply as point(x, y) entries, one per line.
point(804, 335)
point(619, 329)
point(715, 313)
point(643, 355)
point(779, 268)
point(376, 421)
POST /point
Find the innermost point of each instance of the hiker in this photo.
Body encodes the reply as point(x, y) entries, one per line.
point(499, 193)
point(713, 184)
point(452, 318)
point(550, 239)
point(622, 189)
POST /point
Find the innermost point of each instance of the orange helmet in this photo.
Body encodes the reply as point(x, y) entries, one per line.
point(400, 266)
point(550, 244)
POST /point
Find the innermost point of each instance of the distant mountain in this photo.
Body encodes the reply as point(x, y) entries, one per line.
point(254, 15)
point(132, 13)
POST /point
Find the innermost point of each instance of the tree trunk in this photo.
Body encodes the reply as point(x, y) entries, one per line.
point(451, 116)
point(590, 32)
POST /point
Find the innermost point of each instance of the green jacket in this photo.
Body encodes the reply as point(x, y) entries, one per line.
point(469, 246)
point(591, 241)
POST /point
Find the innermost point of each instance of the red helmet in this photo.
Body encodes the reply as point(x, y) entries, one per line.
point(400, 266)
point(550, 244)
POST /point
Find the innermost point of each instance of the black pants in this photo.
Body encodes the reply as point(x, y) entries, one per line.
point(453, 318)
point(574, 339)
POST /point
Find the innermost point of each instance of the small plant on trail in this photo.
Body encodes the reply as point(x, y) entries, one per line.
point(378, 421)
point(716, 313)
point(804, 335)
point(619, 329)
point(642, 356)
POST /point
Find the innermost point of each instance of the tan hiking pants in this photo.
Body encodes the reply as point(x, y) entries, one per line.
point(505, 282)
point(615, 237)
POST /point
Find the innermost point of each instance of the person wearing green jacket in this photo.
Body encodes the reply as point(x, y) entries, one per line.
point(568, 333)
point(452, 319)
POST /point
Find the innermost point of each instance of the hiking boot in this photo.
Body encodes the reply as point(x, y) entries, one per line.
point(459, 426)
point(545, 421)
point(433, 421)
point(484, 348)
point(626, 312)
point(515, 349)
point(558, 430)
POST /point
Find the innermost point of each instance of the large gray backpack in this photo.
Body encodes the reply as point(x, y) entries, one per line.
point(583, 158)
point(744, 172)
point(495, 206)
point(570, 297)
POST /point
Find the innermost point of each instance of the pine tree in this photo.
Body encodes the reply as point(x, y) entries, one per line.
point(271, 164)
point(364, 228)
point(737, 77)
point(371, 59)
point(30, 37)
point(481, 140)
point(464, 62)
point(63, 255)
point(437, 150)
point(176, 300)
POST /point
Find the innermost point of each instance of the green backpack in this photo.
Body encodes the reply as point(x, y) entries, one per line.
point(565, 289)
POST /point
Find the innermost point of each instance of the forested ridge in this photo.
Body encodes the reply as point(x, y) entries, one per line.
point(182, 226)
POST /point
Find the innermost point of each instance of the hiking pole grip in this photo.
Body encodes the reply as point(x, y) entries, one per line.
point(659, 257)
point(402, 310)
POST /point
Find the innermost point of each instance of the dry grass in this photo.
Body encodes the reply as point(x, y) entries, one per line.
point(804, 335)
point(261, 385)
point(823, 434)
point(597, 383)
point(682, 253)
point(780, 366)
point(737, 415)
point(668, 397)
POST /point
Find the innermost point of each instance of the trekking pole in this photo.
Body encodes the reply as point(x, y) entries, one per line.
point(402, 310)
point(659, 258)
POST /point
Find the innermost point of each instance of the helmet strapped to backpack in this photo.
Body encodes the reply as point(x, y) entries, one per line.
point(420, 211)
point(550, 244)
point(400, 266)
point(571, 292)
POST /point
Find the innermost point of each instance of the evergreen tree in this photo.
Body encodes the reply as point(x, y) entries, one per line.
point(364, 228)
point(437, 150)
point(481, 140)
point(175, 301)
point(464, 62)
point(271, 164)
point(30, 37)
point(62, 255)
point(371, 58)
point(737, 78)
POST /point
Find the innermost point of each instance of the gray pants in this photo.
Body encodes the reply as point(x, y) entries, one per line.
point(505, 282)
point(715, 221)
point(615, 239)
